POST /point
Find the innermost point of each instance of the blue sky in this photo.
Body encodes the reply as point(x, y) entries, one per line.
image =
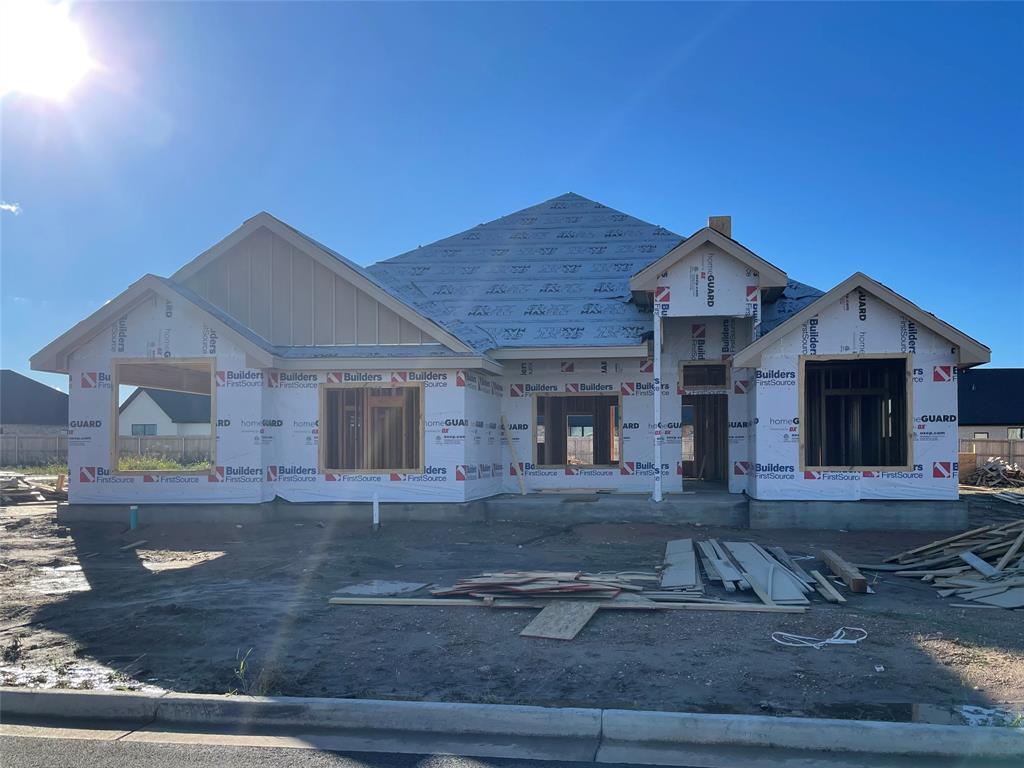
point(885, 138)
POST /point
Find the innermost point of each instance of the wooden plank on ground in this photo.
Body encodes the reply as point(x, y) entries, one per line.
point(826, 589)
point(618, 604)
point(853, 578)
point(774, 580)
point(680, 565)
point(936, 544)
point(561, 620)
point(978, 564)
point(1013, 550)
point(1013, 598)
point(784, 558)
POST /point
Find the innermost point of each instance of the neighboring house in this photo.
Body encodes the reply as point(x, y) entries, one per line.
point(162, 412)
point(615, 354)
point(29, 407)
point(992, 404)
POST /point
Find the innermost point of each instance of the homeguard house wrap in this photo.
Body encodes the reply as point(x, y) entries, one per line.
point(564, 346)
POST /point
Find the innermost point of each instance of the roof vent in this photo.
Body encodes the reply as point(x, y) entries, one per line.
point(721, 224)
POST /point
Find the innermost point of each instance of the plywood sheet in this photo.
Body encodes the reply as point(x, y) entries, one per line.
point(561, 620)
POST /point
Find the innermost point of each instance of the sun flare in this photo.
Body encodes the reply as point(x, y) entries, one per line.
point(42, 51)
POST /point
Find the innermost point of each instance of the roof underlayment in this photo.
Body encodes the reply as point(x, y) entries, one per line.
point(555, 274)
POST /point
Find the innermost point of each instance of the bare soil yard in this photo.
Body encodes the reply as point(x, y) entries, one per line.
point(179, 612)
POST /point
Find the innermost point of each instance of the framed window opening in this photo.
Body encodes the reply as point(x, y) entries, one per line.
point(696, 376)
point(856, 412)
point(579, 431)
point(374, 429)
point(184, 391)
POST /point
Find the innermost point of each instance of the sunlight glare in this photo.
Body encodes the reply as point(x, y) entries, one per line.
point(42, 51)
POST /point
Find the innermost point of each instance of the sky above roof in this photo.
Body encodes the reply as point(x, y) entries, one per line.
point(838, 136)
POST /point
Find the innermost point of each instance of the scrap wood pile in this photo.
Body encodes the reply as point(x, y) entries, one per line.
point(985, 566)
point(997, 472)
point(570, 598)
point(16, 488)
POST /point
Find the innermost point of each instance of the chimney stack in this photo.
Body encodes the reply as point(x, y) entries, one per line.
point(721, 224)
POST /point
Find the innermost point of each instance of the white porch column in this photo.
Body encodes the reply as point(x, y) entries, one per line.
point(658, 438)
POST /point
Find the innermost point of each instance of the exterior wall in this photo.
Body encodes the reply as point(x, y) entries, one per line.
point(160, 329)
point(859, 323)
point(483, 399)
point(710, 283)
point(290, 439)
point(288, 297)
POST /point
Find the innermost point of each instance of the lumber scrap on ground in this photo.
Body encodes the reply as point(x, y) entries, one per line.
point(851, 577)
point(561, 620)
point(984, 565)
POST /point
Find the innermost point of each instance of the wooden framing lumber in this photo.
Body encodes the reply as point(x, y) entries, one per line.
point(825, 588)
point(978, 564)
point(936, 544)
point(853, 578)
point(1013, 550)
point(610, 605)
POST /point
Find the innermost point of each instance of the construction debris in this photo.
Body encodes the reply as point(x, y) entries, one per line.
point(997, 472)
point(16, 488)
point(985, 565)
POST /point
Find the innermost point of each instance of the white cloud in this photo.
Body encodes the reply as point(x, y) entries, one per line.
point(10, 207)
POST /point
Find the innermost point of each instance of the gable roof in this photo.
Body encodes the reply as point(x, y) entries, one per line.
point(27, 401)
point(991, 397)
point(970, 351)
point(555, 274)
point(54, 356)
point(332, 260)
point(770, 275)
point(180, 407)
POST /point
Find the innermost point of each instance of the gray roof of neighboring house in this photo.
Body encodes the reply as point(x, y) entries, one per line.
point(991, 397)
point(27, 401)
point(553, 274)
point(180, 407)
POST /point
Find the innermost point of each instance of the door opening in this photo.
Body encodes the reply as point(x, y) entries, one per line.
point(705, 426)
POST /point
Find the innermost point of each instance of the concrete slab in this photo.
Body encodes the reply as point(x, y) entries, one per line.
point(863, 515)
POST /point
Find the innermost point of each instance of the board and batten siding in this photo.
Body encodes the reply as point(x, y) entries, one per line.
point(291, 299)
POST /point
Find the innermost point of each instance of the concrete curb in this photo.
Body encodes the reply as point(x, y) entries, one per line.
point(665, 729)
point(667, 738)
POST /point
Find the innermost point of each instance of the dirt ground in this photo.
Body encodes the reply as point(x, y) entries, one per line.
point(180, 613)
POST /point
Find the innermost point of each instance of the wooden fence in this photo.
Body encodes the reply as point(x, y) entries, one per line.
point(973, 452)
point(40, 450)
point(33, 450)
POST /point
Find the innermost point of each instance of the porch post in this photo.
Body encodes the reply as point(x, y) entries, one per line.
point(656, 496)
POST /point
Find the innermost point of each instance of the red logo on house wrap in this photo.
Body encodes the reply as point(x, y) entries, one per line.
point(662, 294)
point(272, 379)
point(679, 468)
point(571, 471)
point(332, 477)
point(399, 377)
point(222, 378)
point(87, 474)
point(515, 469)
point(869, 474)
point(751, 293)
point(647, 366)
point(742, 387)
point(334, 377)
point(568, 367)
point(217, 476)
point(460, 378)
point(628, 388)
point(89, 380)
point(397, 477)
point(942, 469)
point(272, 473)
point(812, 475)
point(698, 330)
point(741, 467)
point(573, 388)
point(515, 390)
point(460, 472)
point(942, 373)
point(628, 468)
point(151, 478)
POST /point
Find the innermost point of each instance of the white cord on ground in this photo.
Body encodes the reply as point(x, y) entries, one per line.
point(839, 637)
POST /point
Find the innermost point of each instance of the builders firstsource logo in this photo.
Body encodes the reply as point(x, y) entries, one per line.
point(775, 471)
point(581, 388)
point(247, 377)
point(94, 380)
point(228, 474)
point(429, 474)
point(641, 468)
point(291, 473)
point(102, 475)
point(944, 470)
point(774, 377)
point(944, 373)
point(290, 380)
